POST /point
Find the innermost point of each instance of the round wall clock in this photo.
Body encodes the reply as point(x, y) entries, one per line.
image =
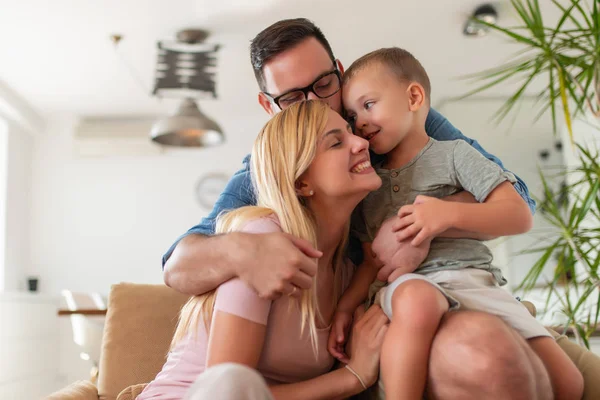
point(209, 187)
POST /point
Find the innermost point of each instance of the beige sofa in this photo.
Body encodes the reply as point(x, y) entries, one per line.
point(140, 322)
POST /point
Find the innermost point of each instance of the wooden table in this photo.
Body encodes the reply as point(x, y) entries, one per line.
point(81, 311)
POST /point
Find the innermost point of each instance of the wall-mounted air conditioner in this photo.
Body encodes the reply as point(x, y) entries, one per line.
point(114, 136)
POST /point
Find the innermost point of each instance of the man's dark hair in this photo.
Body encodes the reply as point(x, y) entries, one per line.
point(399, 61)
point(279, 37)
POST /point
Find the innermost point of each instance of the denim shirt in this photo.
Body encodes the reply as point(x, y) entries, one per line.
point(239, 191)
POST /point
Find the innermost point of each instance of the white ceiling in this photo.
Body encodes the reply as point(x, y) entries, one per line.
point(57, 55)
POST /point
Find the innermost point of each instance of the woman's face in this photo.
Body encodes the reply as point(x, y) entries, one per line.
point(341, 167)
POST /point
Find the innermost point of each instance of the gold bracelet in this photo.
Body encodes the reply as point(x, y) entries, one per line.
point(357, 376)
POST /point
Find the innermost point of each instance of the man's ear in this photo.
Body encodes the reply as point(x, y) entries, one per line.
point(416, 96)
point(340, 66)
point(266, 104)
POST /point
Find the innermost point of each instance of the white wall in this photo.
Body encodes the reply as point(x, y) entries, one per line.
point(98, 221)
point(18, 208)
point(29, 338)
point(15, 205)
point(3, 178)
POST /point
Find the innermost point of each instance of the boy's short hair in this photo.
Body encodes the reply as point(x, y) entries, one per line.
point(399, 61)
point(279, 37)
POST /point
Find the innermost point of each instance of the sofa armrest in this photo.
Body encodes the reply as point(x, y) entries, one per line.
point(80, 390)
point(132, 392)
point(587, 362)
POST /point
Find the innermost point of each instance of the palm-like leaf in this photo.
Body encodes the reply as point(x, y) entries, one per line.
point(567, 57)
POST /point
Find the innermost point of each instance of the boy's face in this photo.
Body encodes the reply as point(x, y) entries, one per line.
point(296, 68)
point(378, 105)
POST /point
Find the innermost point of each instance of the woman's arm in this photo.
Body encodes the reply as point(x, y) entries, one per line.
point(226, 344)
point(337, 384)
point(364, 349)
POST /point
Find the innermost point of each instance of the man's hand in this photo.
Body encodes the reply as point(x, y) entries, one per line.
point(275, 264)
point(423, 220)
point(338, 335)
point(397, 257)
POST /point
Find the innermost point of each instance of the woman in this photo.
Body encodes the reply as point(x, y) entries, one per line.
point(309, 173)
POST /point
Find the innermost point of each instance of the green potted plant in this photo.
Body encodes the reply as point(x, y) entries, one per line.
point(566, 57)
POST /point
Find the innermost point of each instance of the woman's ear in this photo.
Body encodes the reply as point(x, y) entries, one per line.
point(416, 96)
point(303, 189)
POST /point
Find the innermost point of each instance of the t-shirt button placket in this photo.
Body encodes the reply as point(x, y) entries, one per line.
point(396, 188)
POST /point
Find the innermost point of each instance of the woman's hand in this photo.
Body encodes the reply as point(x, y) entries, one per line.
point(365, 342)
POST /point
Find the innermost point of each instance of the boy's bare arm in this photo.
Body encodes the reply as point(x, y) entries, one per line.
point(464, 197)
point(503, 213)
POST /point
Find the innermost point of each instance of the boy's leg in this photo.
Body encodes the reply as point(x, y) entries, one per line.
point(567, 381)
point(417, 307)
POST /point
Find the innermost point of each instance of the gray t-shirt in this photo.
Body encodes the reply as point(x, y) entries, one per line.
point(439, 170)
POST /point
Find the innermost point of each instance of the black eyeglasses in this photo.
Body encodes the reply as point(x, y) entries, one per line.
point(326, 85)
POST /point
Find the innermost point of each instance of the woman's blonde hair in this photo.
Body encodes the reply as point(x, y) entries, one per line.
point(282, 152)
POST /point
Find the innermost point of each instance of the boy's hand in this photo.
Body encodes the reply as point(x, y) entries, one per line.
point(340, 328)
point(425, 219)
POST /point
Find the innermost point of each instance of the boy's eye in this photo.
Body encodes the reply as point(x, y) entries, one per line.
point(369, 104)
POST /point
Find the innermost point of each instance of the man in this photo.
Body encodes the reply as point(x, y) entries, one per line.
point(474, 355)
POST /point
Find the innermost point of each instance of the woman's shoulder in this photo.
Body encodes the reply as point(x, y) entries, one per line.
point(266, 224)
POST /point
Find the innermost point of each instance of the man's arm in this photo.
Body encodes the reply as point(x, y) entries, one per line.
point(271, 263)
point(439, 128)
point(198, 262)
point(184, 272)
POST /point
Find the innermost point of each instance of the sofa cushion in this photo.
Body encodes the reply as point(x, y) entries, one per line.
point(131, 392)
point(139, 326)
point(80, 390)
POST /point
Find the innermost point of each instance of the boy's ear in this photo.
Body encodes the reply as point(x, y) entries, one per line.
point(416, 96)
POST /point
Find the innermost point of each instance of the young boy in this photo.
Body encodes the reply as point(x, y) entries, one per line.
point(386, 94)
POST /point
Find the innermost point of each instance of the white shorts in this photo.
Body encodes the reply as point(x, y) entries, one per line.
point(472, 289)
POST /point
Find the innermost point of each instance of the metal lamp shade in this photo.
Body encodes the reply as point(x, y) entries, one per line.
point(188, 127)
